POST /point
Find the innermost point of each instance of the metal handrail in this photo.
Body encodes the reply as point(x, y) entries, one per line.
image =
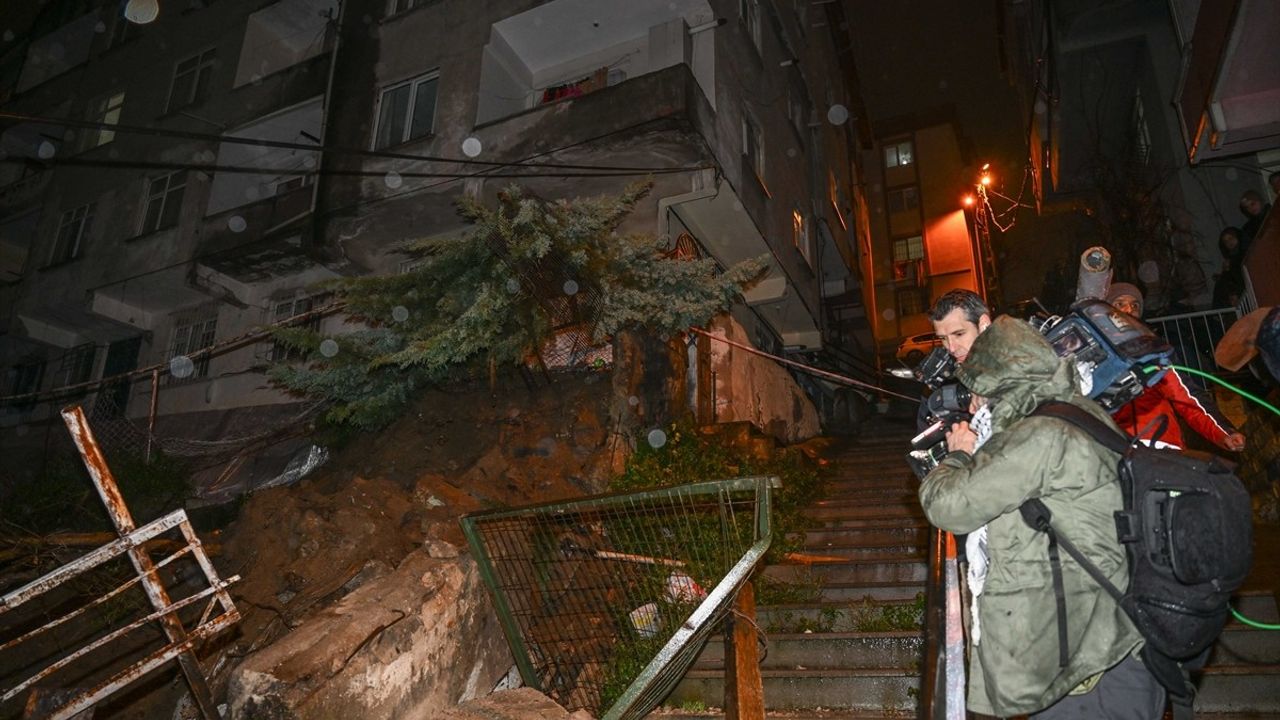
point(942, 687)
point(934, 618)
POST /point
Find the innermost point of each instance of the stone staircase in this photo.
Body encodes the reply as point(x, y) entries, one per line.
point(828, 656)
point(827, 659)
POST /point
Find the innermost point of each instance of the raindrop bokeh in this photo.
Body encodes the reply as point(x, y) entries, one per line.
point(236, 224)
point(399, 313)
point(180, 366)
point(657, 438)
point(513, 286)
point(837, 114)
point(328, 347)
point(888, 314)
point(393, 180)
point(570, 287)
point(46, 150)
point(1149, 272)
point(472, 146)
point(633, 401)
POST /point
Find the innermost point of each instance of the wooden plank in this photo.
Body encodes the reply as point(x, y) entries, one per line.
point(743, 686)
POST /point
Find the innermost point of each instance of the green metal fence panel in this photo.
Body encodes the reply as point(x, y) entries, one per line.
point(607, 600)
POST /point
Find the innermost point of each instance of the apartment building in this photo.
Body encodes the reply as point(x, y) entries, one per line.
point(172, 186)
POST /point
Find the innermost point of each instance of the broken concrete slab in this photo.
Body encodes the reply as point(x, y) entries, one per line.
point(405, 645)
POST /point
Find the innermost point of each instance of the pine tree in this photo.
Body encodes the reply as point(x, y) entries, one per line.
point(494, 295)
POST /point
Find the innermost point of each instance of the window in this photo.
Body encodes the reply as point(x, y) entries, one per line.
point(800, 233)
point(1141, 130)
point(753, 145)
point(76, 366)
point(911, 301)
point(395, 7)
point(911, 248)
point(189, 336)
point(105, 110)
point(749, 11)
point(406, 111)
point(836, 198)
point(164, 201)
point(903, 199)
point(191, 80)
point(283, 310)
point(73, 227)
point(25, 378)
point(898, 154)
point(798, 108)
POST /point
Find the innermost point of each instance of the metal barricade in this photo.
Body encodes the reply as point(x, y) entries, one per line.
point(1195, 335)
point(98, 627)
point(606, 601)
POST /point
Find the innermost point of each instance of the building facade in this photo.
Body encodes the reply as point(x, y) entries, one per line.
point(175, 186)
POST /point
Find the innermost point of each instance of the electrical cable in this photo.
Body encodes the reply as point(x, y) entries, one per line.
point(1242, 393)
point(280, 144)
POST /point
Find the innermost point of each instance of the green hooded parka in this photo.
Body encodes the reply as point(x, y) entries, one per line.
point(1015, 669)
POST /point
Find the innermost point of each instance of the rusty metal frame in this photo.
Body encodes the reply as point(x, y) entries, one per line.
point(164, 611)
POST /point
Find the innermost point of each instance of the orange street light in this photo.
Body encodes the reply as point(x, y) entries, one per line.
point(968, 201)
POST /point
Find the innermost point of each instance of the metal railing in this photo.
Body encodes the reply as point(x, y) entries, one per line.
point(1195, 335)
point(942, 695)
point(74, 638)
point(606, 601)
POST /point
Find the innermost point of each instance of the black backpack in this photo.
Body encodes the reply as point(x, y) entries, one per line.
point(1187, 528)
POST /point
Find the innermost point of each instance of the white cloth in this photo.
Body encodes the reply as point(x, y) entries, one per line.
point(975, 546)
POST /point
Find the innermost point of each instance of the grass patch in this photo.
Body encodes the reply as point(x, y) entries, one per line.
point(871, 616)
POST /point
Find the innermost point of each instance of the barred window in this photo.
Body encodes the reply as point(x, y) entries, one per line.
point(191, 334)
point(911, 248)
point(283, 310)
point(76, 366)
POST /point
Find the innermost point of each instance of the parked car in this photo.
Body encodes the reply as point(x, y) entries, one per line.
point(913, 349)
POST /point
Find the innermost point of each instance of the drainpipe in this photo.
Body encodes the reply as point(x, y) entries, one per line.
point(316, 225)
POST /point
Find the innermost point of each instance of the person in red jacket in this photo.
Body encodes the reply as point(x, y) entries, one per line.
point(1171, 397)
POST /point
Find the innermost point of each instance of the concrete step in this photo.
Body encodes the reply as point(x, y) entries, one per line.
point(871, 521)
point(884, 496)
point(836, 592)
point(1239, 689)
point(839, 617)
point(884, 690)
point(1243, 645)
point(1257, 605)
point(894, 533)
point(902, 509)
point(825, 651)
point(866, 571)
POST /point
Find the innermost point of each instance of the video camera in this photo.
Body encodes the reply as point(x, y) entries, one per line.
point(1112, 351)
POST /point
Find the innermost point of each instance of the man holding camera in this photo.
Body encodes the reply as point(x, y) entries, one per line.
point(1002, 457)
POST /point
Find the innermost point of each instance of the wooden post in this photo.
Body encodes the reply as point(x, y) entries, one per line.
point(151, 413)
point(743, 686)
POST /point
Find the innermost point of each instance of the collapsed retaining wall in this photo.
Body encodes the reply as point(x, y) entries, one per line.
point(407, 645)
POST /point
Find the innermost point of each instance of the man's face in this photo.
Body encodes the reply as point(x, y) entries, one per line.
point(1128, 304)
point(957, 332)
point(1251, 207)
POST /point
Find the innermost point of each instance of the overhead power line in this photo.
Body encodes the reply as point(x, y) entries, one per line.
point(236, 140)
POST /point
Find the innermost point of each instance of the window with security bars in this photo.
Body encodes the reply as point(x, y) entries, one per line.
point(282, 310)
point(911, 248)
point(73, 227)
point(164, 201)
point(395, 7)
point(191, 77)
point(105, 110)
point(24, 379)
point(76, 366)
point(407, 111)
point(191, 335)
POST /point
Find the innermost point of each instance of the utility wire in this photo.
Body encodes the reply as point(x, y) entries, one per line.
point(232, 139)
point(303, 172)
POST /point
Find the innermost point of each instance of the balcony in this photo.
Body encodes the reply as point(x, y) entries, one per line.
point(570, 48)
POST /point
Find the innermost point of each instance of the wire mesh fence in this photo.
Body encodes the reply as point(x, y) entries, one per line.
point(606, 601)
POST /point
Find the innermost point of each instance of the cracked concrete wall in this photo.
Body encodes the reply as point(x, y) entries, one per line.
point(756, 389)
point(409, 644)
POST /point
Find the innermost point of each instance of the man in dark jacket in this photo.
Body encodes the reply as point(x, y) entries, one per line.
point(1014, 664)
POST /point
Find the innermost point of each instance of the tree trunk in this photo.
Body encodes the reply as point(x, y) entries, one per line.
point(650, 384)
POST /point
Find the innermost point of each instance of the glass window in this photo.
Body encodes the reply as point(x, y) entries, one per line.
point(164, 201)
point(749, 12)
point(753, 145)
point(25, 378)
point(192, 334)
point(911, 248)
point(395, 7)
point(283, 310)
point(899, 154)
point(191, 80)
point(911, 301)
point(76, 366)
point(800, 233)
point(104, 110)
point(903, 199)
point(72, 228)
point(406, 111)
